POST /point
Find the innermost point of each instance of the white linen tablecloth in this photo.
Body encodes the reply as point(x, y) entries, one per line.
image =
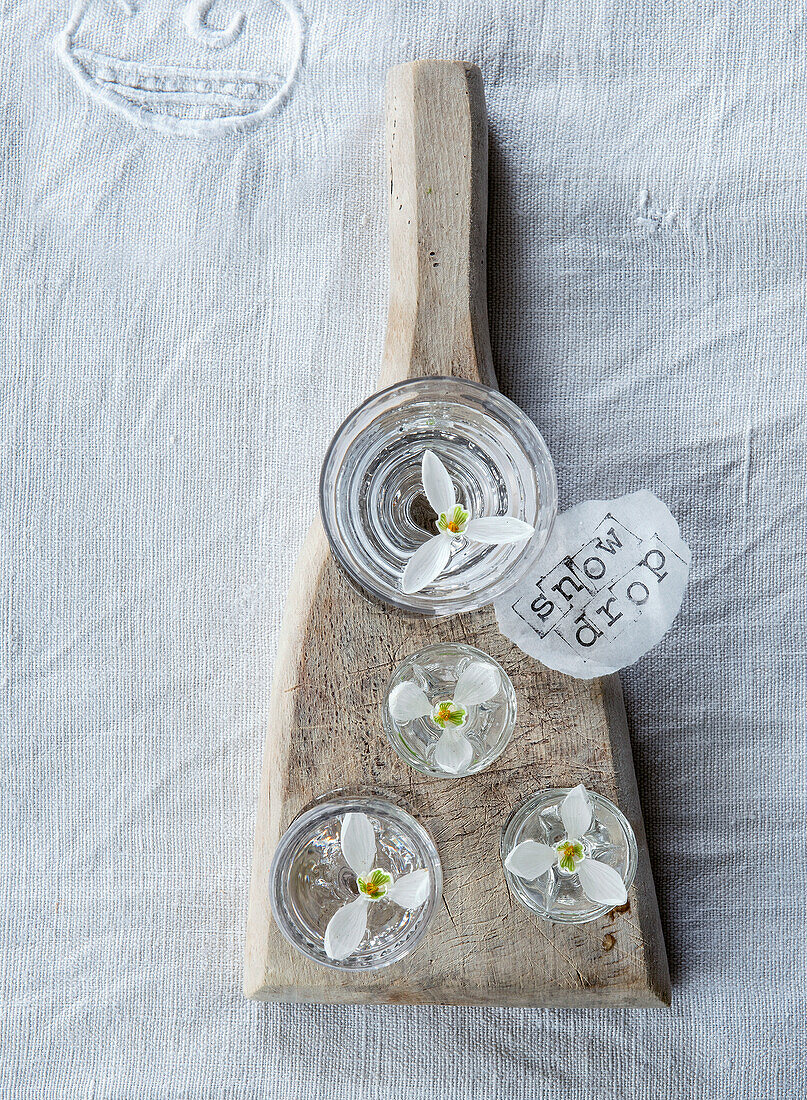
point(188, 312)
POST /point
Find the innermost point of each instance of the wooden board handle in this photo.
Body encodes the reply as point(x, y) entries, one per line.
point(437, 144)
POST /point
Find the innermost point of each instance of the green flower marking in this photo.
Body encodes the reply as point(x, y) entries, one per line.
point(455, 522)
point(570, 852)
point(448, 713)
point(375, 884)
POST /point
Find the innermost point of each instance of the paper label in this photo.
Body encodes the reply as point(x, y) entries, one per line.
point(611, 581)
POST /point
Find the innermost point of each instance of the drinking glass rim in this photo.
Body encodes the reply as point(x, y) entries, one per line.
point(527, 806)
point(548, 483)
point(334, 804)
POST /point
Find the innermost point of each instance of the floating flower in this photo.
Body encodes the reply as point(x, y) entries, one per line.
point(531, 859)
point(453, 522)
point(347, 926)
point(453, 751)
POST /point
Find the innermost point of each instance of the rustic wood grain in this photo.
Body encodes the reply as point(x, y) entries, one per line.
point(337, 652)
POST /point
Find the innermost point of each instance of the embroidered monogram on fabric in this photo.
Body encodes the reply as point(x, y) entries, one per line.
point(195, 17)
point(201, 67)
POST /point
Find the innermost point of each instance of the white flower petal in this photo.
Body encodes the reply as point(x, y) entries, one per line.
point(437, 483)
point(357, 837)
point(407, 701)
point(346, 929)
point(426, 564)
point(575, 812)
point(601, 883)
point(494, 530)
point(478, 683)
point(410, 890)
point(530, 859)
point(453, 752)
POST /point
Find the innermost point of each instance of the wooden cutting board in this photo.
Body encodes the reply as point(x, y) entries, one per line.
point(337, 652)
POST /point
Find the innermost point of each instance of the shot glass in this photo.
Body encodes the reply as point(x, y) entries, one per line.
point(375, 511)
point(449, 710)
point(569, 855)
point(355, 882)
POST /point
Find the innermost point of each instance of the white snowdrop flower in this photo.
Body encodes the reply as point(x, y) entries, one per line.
point(453, 521)
point(453, 751)
point(347, 926)
point(531, 859)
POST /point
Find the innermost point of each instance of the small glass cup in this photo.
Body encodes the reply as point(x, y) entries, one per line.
point(557, 894)
point(452, 739)
point(375, 512)
point(310, 880)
